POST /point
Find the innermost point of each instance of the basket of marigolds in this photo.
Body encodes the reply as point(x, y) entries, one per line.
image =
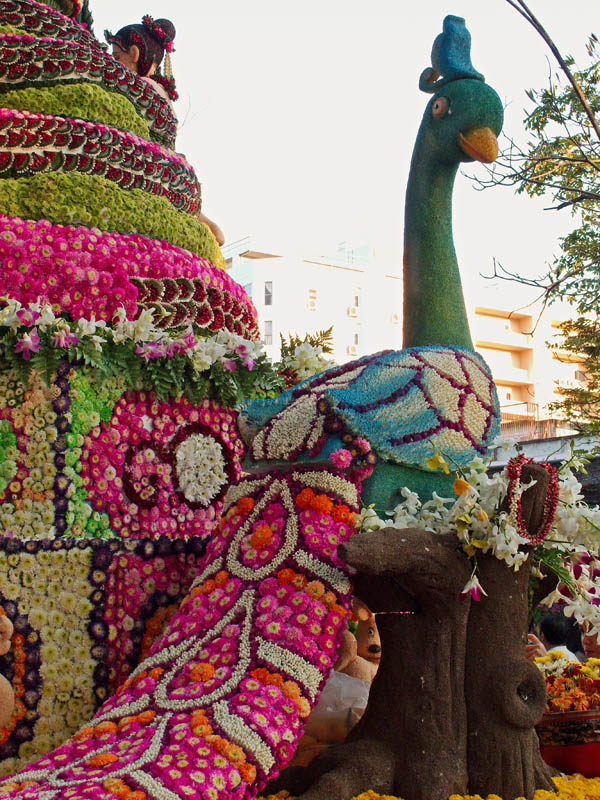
point(569, 731)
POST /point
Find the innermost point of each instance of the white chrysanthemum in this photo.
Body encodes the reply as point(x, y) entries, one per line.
point(200, 468)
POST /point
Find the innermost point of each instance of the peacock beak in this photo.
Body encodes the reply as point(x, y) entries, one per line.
point(480, 144)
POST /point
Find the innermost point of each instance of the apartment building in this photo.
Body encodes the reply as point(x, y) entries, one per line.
point(527, 372)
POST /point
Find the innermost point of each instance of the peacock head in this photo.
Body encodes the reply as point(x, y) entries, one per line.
point(464, 117)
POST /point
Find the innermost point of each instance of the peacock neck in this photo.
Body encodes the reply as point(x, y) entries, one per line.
point(434, 306)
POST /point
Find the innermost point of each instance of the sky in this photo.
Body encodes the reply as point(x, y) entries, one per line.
point(300, 118)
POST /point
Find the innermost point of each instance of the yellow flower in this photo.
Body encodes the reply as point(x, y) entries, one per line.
point(461, 486)
point(474, 544)
point(436, 462)
point(463, 522)
point(481, 515)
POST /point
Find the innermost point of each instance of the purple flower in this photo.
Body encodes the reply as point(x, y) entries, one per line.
point(27, 316)
point(229, 363)
point(150, 350)
point(28, 343)
point(63, 338)
point(473, 588)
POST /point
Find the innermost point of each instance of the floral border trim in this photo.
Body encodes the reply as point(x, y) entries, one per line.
point(28, 61)
point(39, 19)
point(32, 143)
point(105, 271)
point(104, 568)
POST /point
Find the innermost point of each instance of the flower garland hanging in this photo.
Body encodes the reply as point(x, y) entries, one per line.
point(485, 514)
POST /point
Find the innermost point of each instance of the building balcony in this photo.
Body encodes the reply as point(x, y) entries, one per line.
point(525, 430)
point(495, 337)
point(511, 376)
point(517, 412)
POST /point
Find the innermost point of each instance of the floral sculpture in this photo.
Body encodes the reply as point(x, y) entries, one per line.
point(215, 710)
point(124, 348)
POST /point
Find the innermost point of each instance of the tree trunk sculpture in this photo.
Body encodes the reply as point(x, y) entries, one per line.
point(505, 694)
point(454, 704)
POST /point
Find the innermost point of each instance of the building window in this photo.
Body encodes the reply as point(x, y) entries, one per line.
point(268, 293)
point(355, 301)
point(508, 396)
point(356, 338)
point(268, 331)
point(248, 289)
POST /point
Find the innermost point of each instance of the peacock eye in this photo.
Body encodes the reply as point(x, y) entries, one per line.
point(440, 107)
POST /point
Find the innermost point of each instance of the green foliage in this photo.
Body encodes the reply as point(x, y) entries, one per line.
point(80, 101)
point(562, 161)
point(168, 376)
point(322, 339)
point(581, 404)
point(554, 560)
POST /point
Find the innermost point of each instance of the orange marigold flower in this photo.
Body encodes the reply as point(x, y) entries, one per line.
point(201, 729)
point(245, 505)
point(221, 578)
point(305, 498)
point(286, 575)
point(274, 679)
point(112, 784)
point(261, 537)
point(84, 733)
point(303, 707)
point(235, 754)
point(336, 608)
point(248, 772)
point(208, 586)
point(105, 727)
point(202, 672)
point(260, 673)
point(299, 581)
point(102, 759)
point(315, 589)
point(341, 513)
point(322, 504)
point(137, 795)
point(146, 716)
point(291, 690)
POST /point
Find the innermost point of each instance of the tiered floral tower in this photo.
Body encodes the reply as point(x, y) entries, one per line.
point(124, 347)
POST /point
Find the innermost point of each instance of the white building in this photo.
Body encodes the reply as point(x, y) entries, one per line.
point(300, 294)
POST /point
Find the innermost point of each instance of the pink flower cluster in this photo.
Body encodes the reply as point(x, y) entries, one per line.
point(324, 534)
point(85, 271)
point(241, 663)
point(300, 616)
point(129, 468)
point(131, 583)
point(263, 541)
